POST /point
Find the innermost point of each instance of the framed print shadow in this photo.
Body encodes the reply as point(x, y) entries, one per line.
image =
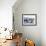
point(29, 19)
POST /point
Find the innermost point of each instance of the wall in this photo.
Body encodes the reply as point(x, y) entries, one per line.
point(6, 13)
point(28, 7)
point(43, 22)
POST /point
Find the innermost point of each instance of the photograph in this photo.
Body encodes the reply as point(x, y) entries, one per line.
point(22, 22)
point(29, 19)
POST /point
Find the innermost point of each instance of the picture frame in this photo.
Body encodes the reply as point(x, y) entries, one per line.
point(29, 19)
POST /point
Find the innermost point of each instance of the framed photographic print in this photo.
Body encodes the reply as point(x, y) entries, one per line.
point(29, 19)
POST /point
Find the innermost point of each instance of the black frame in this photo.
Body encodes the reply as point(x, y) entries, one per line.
point(30, 15)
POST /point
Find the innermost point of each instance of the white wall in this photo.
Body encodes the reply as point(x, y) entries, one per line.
point(28, 7)
point(43, 22)
point(6, 13)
